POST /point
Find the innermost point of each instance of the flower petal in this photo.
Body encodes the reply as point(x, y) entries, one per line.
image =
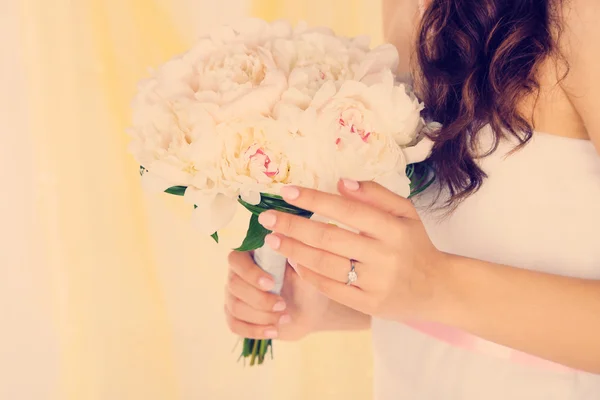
point(213, 212)
point(325, 93)
point(418, 153)
point(251, 197)
point(154, 183)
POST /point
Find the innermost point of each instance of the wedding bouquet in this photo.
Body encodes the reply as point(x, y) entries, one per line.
point(253, 107)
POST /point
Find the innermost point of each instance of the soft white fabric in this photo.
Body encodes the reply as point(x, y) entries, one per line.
point(539, 209)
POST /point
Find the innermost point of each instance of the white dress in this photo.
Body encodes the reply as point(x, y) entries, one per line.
point(539, 209)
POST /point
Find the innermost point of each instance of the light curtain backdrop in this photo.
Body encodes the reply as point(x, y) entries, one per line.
point(107, 293)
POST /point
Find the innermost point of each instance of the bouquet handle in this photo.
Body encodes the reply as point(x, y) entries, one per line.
point(272, 263)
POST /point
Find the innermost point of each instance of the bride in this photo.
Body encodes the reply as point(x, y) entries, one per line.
point(487, 287)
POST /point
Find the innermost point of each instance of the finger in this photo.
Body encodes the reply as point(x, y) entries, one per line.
point(254, 297)
point(351, 212)
point(250, 331)
point(242, 311)
point(375, 195)
point(320, 235)
point(319, 261)
point(348, 295)
point(242, 263)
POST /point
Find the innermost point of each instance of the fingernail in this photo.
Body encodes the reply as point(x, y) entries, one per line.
point(351, 184)
point(290, 193)
point(271, 333)
point(293, 263)
point(267, 219)
point(285, 319)
point(279, 306)
point(273, 241)
point(266, 283)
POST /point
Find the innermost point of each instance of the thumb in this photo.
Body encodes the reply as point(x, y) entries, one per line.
point(377, 196)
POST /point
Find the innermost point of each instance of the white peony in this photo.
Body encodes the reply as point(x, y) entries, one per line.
point(228, 74)
point(256, 106)
point(169, 140)
point(313, 56)
point(256, 155)
point(358, 132)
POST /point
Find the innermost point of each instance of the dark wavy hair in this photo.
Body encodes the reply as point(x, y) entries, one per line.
point(475, 62)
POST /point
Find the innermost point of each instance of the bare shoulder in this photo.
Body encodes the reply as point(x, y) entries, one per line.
point(580, 43)
point(400, 19)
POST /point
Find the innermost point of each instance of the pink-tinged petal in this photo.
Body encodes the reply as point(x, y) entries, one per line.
point(418, 153)
point(213, 212)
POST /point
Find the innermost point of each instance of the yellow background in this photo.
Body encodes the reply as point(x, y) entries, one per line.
point(107, 293)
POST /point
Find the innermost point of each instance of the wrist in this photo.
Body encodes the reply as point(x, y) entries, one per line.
point(444, 304)
point(339, 317)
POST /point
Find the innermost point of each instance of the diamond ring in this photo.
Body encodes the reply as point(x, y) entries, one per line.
point(352, 276)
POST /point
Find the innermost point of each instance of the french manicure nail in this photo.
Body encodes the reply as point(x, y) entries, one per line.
point(279, 306)
point(285, 319)
point(290, 193)
point(271, 333)
point(267, 219)
point(351, 185)
point(273, 241)
point(266, 283)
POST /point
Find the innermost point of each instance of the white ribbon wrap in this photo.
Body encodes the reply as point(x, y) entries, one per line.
point(272, 263)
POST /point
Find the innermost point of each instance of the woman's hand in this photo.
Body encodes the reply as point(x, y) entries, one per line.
point(253, 312)
point(395, 259)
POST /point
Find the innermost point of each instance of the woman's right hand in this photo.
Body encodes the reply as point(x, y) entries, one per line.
point(252, 312)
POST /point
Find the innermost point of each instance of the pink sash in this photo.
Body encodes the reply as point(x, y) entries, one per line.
point(458, 338)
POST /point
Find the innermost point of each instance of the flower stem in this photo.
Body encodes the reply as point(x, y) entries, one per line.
point(256, 350)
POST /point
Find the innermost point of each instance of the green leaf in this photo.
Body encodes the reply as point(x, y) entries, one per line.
point(410, 169)
point(271, 196)
point(252, 208)
point(176, 190)
point(420, 180)
point(247, 346)
point(272, 202)
point(215, 236)
point(255, 237)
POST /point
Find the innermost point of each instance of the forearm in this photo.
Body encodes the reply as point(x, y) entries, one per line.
point(553, 317)
point(341, 318)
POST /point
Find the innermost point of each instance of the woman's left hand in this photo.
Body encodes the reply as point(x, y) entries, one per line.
point(395, 261)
